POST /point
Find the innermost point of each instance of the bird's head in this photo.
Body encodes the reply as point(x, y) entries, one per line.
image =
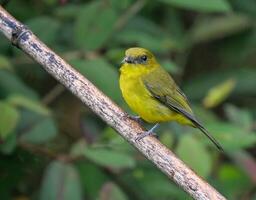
point(139, 57)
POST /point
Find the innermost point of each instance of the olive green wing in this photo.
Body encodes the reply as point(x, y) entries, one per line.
point(163, 88)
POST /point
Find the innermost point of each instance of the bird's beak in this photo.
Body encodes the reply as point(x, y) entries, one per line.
point(127, 59)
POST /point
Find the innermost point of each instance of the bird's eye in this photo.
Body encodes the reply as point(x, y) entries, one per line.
point(144, 58)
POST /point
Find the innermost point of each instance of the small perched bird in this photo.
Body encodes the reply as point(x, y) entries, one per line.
point(152, 93)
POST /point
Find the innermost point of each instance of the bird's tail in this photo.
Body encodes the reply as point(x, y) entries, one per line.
point(205, 132)
point(189, 115)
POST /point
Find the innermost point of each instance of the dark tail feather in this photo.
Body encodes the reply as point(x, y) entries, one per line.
point(204, 131)
point(192, 118)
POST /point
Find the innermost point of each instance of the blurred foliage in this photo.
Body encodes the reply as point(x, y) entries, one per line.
point(53, 147)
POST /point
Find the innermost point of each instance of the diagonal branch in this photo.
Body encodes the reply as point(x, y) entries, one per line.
point(150, 147)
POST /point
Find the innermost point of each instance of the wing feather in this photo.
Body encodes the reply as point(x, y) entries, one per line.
point(169, 94)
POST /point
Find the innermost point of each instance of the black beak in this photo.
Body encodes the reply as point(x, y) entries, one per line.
point(127, 59)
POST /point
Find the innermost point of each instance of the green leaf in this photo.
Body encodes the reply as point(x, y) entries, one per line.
point(92, 178)
point(232, 136)
point(41, 131)
point(70, 11)
point(120, 5)
point(109, 138)
point(170, 66)
point(155, 185)
point(33, 105)
point(60, 181)
point(230, 51)
point(218, 27)
point(50, 33)
point(94, 25)
point(115, 55)
point(4, 44)
point(219, 93)
point(201, 5)
point(174, 24)
point(50, 2)
point(108, 134)
point(232, 180)
point(9, 144)
point(197, 87)
point(195, 154)
point(248, 7)
point(10, 83)
point(102, 74)
point(143, 32)
point(147, 34)
point(146, 40)
point(5, 63)
point(239, 116)
point(109, 158)
point(8, 119)
point(112, 191)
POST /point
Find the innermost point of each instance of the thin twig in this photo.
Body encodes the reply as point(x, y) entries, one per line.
point(37, 150)
point(56, 91)
point(130, 12)
point(108, 111)
point(41, 151)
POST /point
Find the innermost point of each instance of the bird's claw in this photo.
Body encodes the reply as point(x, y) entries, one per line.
point(145, 134)
point(136, 118)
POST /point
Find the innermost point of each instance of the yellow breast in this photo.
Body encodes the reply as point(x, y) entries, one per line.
point(139, 98)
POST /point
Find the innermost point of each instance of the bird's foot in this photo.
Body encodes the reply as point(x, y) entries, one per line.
point(136, 118)
point(147, 133)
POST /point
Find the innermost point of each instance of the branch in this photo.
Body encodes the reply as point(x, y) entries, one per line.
point(108, 111)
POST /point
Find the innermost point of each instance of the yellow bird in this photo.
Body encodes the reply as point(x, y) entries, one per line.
point(152, 93)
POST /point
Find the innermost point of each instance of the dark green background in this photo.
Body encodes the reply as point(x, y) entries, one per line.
point(53, 147)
